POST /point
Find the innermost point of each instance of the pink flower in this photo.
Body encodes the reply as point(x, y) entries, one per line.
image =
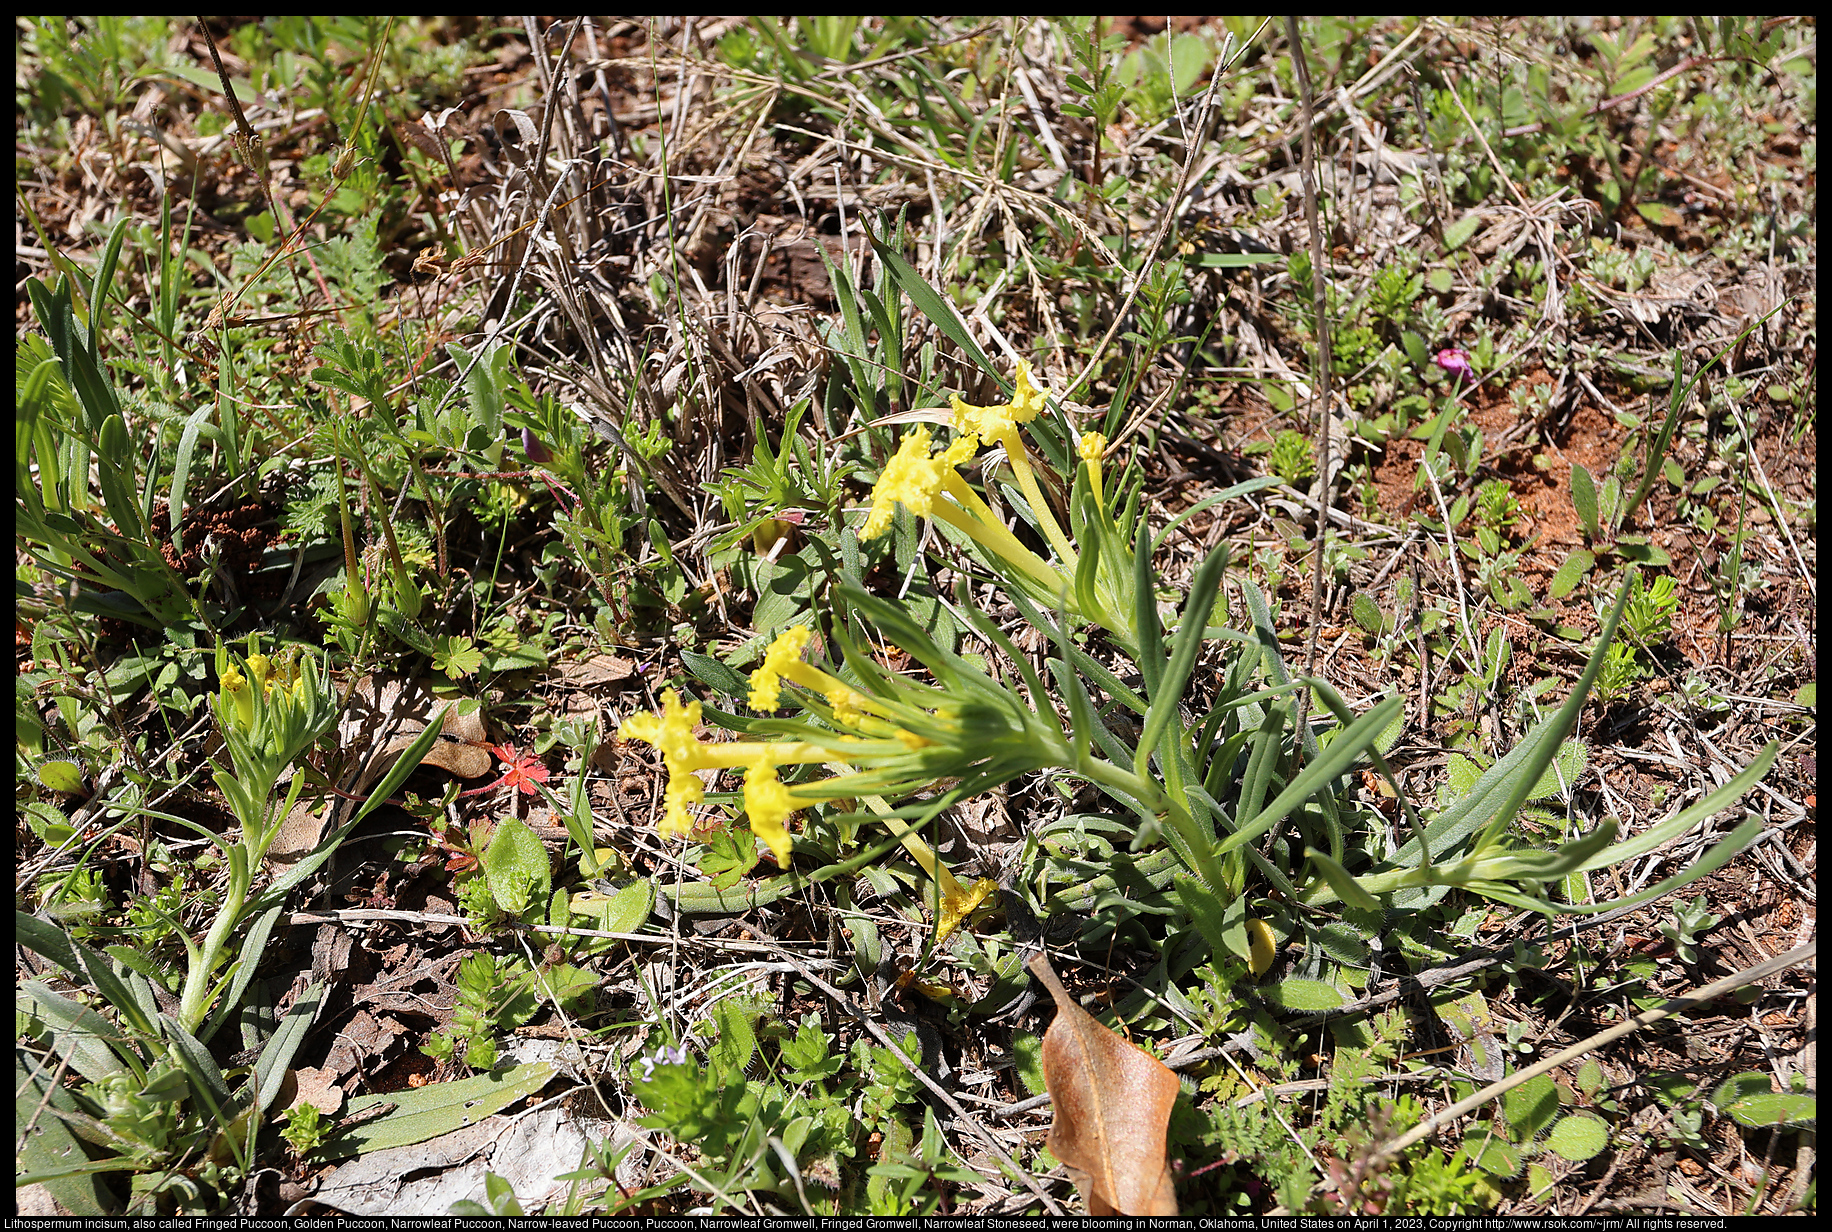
point(1455, 360)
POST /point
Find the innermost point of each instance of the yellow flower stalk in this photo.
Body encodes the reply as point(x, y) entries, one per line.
point(957, 901)
point(683, 752)
point(915, 480)
point(1000, 423)
point(783, 661)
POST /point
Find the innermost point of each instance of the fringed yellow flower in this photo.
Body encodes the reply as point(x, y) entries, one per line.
point(768, 804)
point(766, 681)
point(912, 479)
point(958, 902)
point(845, 702)
point(672, 733)
point(1000, 422)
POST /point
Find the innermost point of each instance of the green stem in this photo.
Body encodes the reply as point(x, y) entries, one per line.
point(1196, 846)
point(1033, 495)
point(194, 1004)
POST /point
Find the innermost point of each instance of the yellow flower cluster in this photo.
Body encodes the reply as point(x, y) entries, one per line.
point(672, 733)
point(1000, 423)
point(270, 678)
point(913, 479)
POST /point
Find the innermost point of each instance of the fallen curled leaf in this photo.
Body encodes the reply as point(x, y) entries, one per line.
point(1111, 1104)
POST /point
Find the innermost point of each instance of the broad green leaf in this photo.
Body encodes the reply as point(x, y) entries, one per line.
point(419, 1115)
point(1570, 573)
point(1530, 1106)
point(1298, 993)
point(1578, 1137)
point(47, 1150)
point(623, 912)
point(515, 867)
point(729, 855)
point(1775, 1108)
point(1740, 1087)
point(737, 1042)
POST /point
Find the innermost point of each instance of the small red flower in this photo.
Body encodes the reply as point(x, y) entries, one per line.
point(522, 773)
point(1455, 360)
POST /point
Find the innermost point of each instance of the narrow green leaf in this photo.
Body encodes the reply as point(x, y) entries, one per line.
point(430, 1111)
point(1168, 696)
point(1333, 760)
point(930, 303)
point(1340, 880)
point(277, 1053)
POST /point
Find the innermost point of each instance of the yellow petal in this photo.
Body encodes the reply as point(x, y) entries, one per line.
point(768, 803)
point(766, 681)
point(959, 904)
point(1261, 946)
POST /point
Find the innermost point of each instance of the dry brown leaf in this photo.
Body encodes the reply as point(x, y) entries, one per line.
point(599, 671)
point(317, 1087)
point(1111, 1104)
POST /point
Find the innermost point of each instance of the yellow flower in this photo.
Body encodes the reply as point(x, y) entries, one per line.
point(958, 902)
point(767, 802)
point(235, 686)
point(1000, 423)
point(845, 702)
point(766, 681)
point(912, 478)
point(672, 733)
point(685, 792)
point(1090, 448)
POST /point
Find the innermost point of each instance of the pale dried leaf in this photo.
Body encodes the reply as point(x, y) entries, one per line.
point(317, 1087)
point(1111, 1105)
point(598, 671)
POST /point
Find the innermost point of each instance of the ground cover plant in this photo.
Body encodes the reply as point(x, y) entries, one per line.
point(616, 617)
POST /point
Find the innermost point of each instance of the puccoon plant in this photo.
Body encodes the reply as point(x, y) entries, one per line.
point(1200, 768)
point(155, 1104)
